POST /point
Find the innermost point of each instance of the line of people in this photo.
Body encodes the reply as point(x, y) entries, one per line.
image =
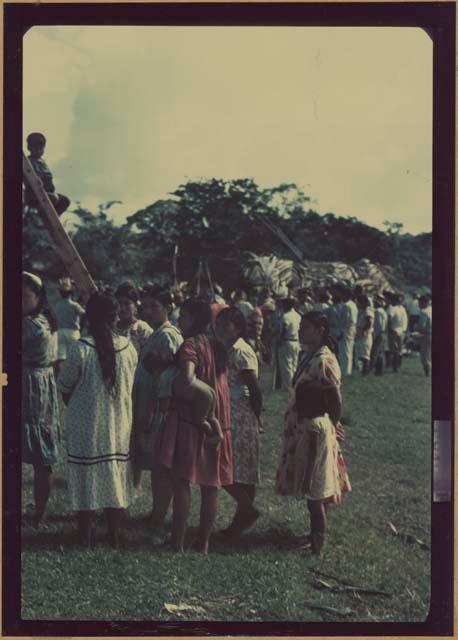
point(184, 404)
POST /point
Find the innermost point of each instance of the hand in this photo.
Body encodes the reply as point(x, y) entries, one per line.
point(260, 425)
point(340, 432)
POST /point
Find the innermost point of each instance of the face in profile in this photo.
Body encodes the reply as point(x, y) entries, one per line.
point(30, 301)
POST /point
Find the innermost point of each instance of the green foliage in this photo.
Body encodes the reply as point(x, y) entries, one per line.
point(388, 452)
point(222, 220)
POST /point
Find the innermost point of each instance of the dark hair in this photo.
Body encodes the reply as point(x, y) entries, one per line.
point(161, 294)
point(200, 310)
point(288, 303)
point(36, 138)
point(101, 311)
point(65, 294)
point(235, 316)
point(346, 294)
point(363, 301)
point(43, 304)
point(127, 290)
point(320, 321)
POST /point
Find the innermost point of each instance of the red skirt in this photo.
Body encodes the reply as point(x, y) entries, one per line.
point(182, 447)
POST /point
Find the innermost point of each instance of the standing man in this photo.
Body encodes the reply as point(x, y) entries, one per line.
point(379, 343)
point(288, 343)
point(349, 318)
point(398, 323)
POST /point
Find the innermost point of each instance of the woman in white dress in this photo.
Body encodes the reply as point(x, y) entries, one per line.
point(311, 463)
point(96, 384)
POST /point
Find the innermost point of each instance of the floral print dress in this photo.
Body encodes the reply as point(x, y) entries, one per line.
point(321, 367)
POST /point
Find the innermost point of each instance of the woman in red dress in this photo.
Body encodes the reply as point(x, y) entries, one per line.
point(182, 446)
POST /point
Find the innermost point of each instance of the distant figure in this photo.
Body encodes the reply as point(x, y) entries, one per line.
point(379, 342)
point(240, 300)
point(349, 318)
point(288, 343)
point(424, 327)
point(364, 334)
point(69, 314)
point(36, 143)
point(398, 323)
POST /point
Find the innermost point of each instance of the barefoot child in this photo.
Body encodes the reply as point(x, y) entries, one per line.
point(311, 464)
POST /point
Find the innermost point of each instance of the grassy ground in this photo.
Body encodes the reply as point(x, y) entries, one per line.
point(259, 578)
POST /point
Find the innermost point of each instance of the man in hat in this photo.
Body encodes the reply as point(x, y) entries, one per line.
point(69, 314)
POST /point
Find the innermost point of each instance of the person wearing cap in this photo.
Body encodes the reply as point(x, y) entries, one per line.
point(42, 443)
point(425, 327)
point(69, 314)
point(36, 143)
point(288, 343)
point(379, 341)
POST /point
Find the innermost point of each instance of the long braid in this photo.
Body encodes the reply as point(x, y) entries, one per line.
point(102, 310)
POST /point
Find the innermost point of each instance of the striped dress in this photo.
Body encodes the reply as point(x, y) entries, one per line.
point(98, 427)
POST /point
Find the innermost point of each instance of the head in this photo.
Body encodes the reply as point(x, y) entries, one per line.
point(195, 317)
point(240, 294)
point(424, 301)
point(323, 297)
point(34, 299)
point(36, 143)
point(379, 301)
point(314, 330)
point(156, 305)
point(128, 299)
point(230, 325)
point(363, 302)
point(346, 294)
point(102, 318)
point(288, 304)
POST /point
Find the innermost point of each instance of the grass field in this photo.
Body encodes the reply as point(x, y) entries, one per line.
point(259, 577)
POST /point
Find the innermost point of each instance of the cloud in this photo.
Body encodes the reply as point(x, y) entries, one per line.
point(132, 111)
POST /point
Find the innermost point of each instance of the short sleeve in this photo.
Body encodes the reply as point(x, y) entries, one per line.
point(245, 359)
point(169, 346)
point(71, 371)
point(328, 371)
point(188, 352)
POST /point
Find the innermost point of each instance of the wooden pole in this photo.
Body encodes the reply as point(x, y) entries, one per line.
point(62, 241)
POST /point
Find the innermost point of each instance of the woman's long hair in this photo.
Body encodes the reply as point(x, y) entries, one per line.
point(102, 310)
point(36, 285)
point(200, 311)
point(320, 321)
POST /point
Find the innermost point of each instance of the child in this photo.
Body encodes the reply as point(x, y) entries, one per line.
point(36, 143)
point(311, 464)
point(199, 395)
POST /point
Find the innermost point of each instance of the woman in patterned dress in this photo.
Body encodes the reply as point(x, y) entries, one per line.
point(157, 354)
point(96, 384)
point(246, 407)
point(309, 464)
point(182, 447)
point(41, 429)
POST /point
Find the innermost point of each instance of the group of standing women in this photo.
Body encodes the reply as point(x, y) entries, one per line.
point(124, 415)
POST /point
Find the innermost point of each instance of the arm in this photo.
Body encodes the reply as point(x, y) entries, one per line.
point(249, 378)
point(334, 404)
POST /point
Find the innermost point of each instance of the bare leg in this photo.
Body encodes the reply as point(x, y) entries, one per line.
point(318, 523)
point(245, 514)
point(115, 519)
point(42, 487)
point(86, 528)
point(208, 510)
point(181, 507)
point(162, 487)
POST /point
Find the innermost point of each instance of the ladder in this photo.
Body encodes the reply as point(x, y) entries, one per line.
point(63, 243)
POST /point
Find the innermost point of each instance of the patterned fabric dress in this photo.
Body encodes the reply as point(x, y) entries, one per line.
point(41, 428)
point(245, 428)
point(161, 347)
point(181, 445)
point(98, 427)
point(322, 367)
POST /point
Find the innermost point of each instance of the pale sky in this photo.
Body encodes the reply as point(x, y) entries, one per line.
point(132, 112)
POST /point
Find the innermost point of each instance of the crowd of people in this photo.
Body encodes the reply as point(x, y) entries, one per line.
point(167, 382)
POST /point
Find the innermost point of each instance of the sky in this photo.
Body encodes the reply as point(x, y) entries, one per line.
point(130, 113)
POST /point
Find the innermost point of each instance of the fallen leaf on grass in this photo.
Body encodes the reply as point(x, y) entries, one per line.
point(338, 612)
point(344, 585)
point(408, 537)
point(179, 609)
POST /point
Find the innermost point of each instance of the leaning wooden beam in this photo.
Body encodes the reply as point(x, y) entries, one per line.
point(62, 241)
